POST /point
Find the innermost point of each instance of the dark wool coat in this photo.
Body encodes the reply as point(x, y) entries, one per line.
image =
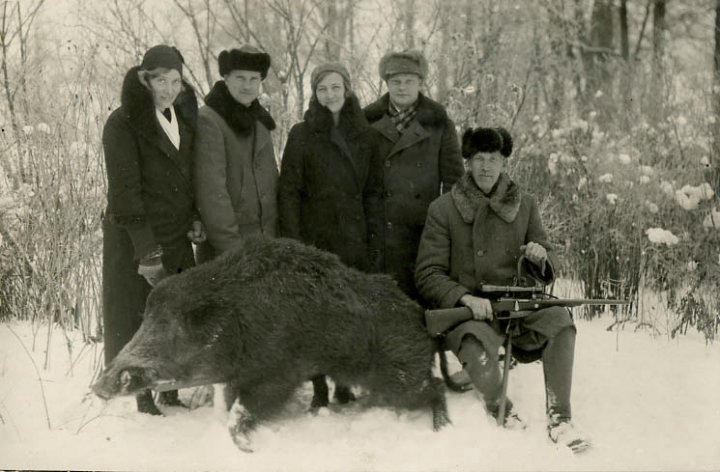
point(417, 165)
point(236, 173)
point(330, 192)
point(149, 202)
point(469, 240)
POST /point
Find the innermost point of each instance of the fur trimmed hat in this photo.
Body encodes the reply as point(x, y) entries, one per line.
point(323, 69)
point(410, 61)
point(162, 56)
point(245, 57)
point(486, 140)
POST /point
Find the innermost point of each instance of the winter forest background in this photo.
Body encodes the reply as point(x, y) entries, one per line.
point(614, 105)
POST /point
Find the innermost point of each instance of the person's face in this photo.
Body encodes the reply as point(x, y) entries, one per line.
point(165, 87)
point(486, 168)
point(404, 89)
point(330, 92)
point(244, 85)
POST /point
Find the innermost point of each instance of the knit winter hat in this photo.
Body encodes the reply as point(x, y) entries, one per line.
point(245, 57)
point(486, 140)
point(162, 56)
point(410, 61)
point(322, 70)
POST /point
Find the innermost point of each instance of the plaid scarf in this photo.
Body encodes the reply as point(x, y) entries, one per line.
point(402, 118)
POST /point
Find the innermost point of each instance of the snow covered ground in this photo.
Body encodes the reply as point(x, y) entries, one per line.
point(648, 403)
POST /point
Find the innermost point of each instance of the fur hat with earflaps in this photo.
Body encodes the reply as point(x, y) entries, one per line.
point(245, 57)
point(486, 140)
point(410, 61)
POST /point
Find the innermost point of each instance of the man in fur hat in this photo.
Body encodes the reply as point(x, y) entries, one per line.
point(475, 235)
point(236, 173)
point(421, 159)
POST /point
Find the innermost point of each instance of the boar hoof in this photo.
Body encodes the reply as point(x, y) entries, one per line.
point(240, 423)
point(440, 420)
point(241, 440)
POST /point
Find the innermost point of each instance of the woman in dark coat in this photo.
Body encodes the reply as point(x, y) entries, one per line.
point(150, 219)
point(330, 190)
point(475, 235)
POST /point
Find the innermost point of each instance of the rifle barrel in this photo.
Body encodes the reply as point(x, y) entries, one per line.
point(440, 321)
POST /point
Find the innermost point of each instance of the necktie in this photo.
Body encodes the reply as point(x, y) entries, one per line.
point(167, 114)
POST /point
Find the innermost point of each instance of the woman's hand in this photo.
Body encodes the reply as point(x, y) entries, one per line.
point(480, 307)
point(197, 233)
point(151, 267)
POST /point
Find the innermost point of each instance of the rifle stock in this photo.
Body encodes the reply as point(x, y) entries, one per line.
point(442, 320)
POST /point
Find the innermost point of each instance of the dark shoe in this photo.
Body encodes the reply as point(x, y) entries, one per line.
point(170, 398)
point(344, 395)
point(564, 433)
point(320, 393)
point(145, 403)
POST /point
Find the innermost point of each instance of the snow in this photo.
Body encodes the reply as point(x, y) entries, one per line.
point(646, 402)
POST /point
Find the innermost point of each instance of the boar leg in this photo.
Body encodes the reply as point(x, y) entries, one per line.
point(256, 402)
point(441, 418)
point(240, 423)
point(410, 391)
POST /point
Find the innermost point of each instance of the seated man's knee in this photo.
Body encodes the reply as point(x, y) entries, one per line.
point(471, 349)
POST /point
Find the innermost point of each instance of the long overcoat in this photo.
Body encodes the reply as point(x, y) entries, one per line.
point(149, 203)
point(469, 241)
point(236, 173)
point(330, 191)
point(418, 165)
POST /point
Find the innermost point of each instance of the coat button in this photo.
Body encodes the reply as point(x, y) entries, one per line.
point(480, 253)
point(389, 225)
point(388, 193)
point(418, 164)
point(388, 164)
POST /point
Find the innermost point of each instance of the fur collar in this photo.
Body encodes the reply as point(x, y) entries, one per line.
point(504, 200)
point(239, 117)
point(137, 103)
point(429, 112)
point(352, 118)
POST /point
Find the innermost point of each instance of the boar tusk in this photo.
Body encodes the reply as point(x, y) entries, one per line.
point(125, 378)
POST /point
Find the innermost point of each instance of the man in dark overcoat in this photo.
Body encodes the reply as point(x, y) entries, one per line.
point(475, 235)
point(421, 159)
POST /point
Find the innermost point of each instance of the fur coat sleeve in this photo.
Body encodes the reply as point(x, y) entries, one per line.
point(122, 164)
point(432, 271)
point(213, 200)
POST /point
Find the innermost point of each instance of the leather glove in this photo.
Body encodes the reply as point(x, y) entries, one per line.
point(197, 234)
point(151, 267)
point(535, 254)
point(480, 307)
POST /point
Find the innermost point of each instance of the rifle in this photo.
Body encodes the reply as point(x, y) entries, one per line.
point(505, 307)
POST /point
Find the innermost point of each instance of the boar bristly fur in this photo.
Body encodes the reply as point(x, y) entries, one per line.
point(269, 315)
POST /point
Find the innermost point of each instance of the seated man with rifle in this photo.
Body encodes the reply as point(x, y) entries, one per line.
point(479, 233)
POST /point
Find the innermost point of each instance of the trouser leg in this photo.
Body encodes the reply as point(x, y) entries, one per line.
point(558, 357)
point(484, 371)
point(320, 392)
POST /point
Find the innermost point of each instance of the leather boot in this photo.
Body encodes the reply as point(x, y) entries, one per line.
point(320, 392)
point(483, 368)
point(558, 357)
point(343, 394)
point(169, 398)
point(146, 404)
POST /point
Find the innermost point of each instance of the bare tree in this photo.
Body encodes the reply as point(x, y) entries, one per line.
point(715, 168)
point(203, 22)
point(15, 27)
